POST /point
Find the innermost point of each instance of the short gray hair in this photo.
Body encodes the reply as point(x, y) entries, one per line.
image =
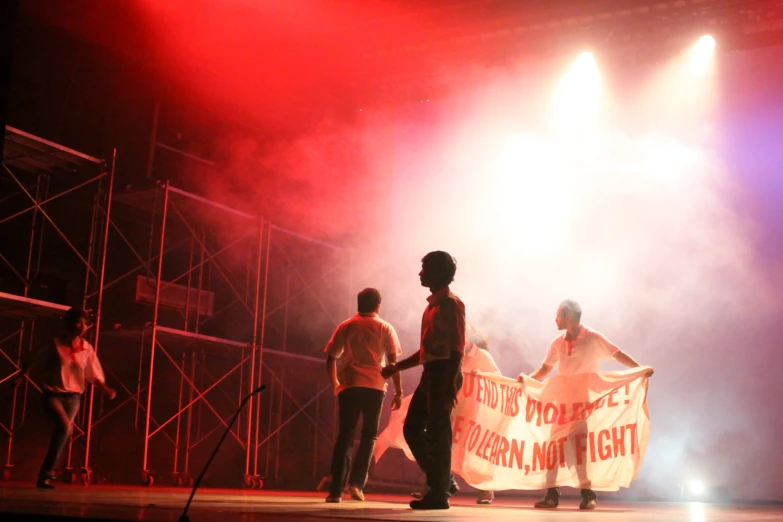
point(572, 309)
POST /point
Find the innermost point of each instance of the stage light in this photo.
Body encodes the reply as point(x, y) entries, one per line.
point(701, 55)
point(578, 93)
point(696, 487)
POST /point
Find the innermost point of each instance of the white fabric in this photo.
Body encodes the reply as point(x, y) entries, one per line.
point(586, 353)
point(479, 361)
point(65, 369)
point(475, 360)
point(507, 435)
point(364, 343)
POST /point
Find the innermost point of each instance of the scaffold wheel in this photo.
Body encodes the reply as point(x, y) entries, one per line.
point(147, 479)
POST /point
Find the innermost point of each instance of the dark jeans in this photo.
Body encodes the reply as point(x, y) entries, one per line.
point(427, 427)
point(62, 409)
point(353, 403)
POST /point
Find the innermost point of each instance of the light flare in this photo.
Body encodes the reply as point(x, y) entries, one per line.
point(578, 95)
point(701, 55)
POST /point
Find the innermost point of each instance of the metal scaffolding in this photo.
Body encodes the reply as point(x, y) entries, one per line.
point(273, 276)
point(67, 197)
point(201, 303)
point(203, 262)
point(308, 296)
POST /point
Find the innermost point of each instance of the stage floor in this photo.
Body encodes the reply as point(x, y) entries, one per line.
point(165, 504)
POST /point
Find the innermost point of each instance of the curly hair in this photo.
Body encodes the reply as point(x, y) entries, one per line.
point(443, 264)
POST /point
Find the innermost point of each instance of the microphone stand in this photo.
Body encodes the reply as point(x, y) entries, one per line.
point(184, 517)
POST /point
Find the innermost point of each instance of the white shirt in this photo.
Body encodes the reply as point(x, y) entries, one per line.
point(364, 342)
point(479, 360)
point(582, 355)
point(65, 369)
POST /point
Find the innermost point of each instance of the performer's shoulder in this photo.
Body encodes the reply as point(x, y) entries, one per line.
point(452, 299)
point(592, 332)
point(384, 323)
point(351, 320)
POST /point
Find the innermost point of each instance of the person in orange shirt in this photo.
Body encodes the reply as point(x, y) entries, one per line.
point(365, 343)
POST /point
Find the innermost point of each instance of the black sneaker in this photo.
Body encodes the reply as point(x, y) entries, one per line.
point(485, 497)
point(44, 483)
point(453, 490)
point(589, 500)
point(550, 501)
point(588, 503)
point(430, 502)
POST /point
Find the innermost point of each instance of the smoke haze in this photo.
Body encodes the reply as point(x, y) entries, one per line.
point(640, 215)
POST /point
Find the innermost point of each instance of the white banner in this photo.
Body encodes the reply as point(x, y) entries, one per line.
point(588, 430)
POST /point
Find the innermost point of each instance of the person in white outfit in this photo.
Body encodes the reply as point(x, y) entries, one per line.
point(64, 366)
point(579, 349)
point(478, 359)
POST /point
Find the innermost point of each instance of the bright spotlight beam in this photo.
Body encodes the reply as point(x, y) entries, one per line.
point(701, 55)
point(697, 487)
point(579, 92)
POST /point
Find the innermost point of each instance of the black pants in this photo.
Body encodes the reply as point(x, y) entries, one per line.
point(427, 427)
point(353, 403)
point(62, 409)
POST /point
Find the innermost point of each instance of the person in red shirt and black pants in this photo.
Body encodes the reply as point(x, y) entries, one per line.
point(427, 427)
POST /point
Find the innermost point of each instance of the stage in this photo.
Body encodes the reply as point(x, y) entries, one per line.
point(24, 502)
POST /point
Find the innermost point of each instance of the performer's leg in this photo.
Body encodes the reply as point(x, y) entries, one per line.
point(62, 409)
point(552, 496)
point(581, 474)
point(349, 416)
point(439, 433)
point(415, 425)
point(589, 498)
point(371, 405)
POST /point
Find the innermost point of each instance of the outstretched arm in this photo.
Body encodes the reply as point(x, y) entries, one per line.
point(615, 352)
point(397, 380)
point(404, 364)
point(94, 374)
point(109, 391)
point(622, 357)
point(542, 372)
point(539, 374)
